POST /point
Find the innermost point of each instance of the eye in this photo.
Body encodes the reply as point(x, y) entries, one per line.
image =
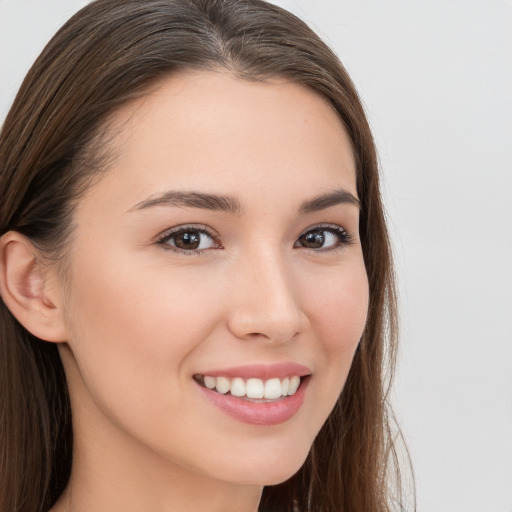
point(324, 238)
point(189, 240)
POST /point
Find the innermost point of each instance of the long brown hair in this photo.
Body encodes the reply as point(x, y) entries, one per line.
point(54, 140)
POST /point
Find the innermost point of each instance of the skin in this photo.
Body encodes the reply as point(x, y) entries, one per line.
point(140, 320)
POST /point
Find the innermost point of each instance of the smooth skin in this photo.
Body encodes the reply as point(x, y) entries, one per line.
point(140, 314)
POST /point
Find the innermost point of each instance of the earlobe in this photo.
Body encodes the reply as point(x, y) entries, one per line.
point(25, 290)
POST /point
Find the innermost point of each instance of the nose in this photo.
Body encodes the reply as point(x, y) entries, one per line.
point(266, 301)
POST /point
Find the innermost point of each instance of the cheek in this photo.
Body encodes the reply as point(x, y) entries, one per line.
point(338, 313)
point(133, 339)
point(132, 330)
point(340, 308)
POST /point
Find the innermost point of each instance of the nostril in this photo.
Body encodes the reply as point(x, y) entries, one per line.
point(272, 313)
point(278, 327)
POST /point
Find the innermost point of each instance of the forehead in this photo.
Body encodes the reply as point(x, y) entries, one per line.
point(208, 130)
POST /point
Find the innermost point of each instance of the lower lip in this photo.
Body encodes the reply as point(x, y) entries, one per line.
point(258, 413)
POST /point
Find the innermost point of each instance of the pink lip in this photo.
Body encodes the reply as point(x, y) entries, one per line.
point(261, 371)
point(258, 413)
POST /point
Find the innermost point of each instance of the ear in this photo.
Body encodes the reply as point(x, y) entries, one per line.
point(29, 289)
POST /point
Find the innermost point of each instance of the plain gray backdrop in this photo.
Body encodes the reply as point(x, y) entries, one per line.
point(436, 79)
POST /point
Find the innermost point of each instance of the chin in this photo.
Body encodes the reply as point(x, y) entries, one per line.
point(267, 468)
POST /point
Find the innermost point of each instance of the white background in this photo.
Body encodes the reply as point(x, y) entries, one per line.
point(436, 79)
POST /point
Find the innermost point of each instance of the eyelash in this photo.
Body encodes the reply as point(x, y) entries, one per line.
point(344, 238)
point(169, 235)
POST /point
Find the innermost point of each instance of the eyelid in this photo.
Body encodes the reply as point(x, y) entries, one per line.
point(203, 228)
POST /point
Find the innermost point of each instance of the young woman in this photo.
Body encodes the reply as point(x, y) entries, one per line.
point(197, 296)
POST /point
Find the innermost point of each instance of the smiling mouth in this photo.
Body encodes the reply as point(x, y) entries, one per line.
point(253, 389)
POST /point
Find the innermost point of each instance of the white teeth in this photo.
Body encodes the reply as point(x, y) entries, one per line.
point(237, 387)
point(270, 389)
point(222, 385)
point(294, 385)
point(210, 382)
point(284, 386)
point(255, 388)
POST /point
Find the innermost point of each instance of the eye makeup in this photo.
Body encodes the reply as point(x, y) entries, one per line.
point(195, 239)
point(324, 238)
point(189, 239)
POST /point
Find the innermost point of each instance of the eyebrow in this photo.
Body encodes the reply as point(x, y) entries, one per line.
point(232, 205)
point(192, 200)
point(339, 196)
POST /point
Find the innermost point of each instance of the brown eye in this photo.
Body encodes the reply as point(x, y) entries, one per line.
point(324, 238)
point(313, 239)
point(189, 240)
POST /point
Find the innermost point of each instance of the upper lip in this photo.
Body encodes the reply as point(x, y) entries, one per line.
point(261, 371)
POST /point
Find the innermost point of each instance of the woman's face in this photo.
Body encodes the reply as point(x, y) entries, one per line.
point(220, 249)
